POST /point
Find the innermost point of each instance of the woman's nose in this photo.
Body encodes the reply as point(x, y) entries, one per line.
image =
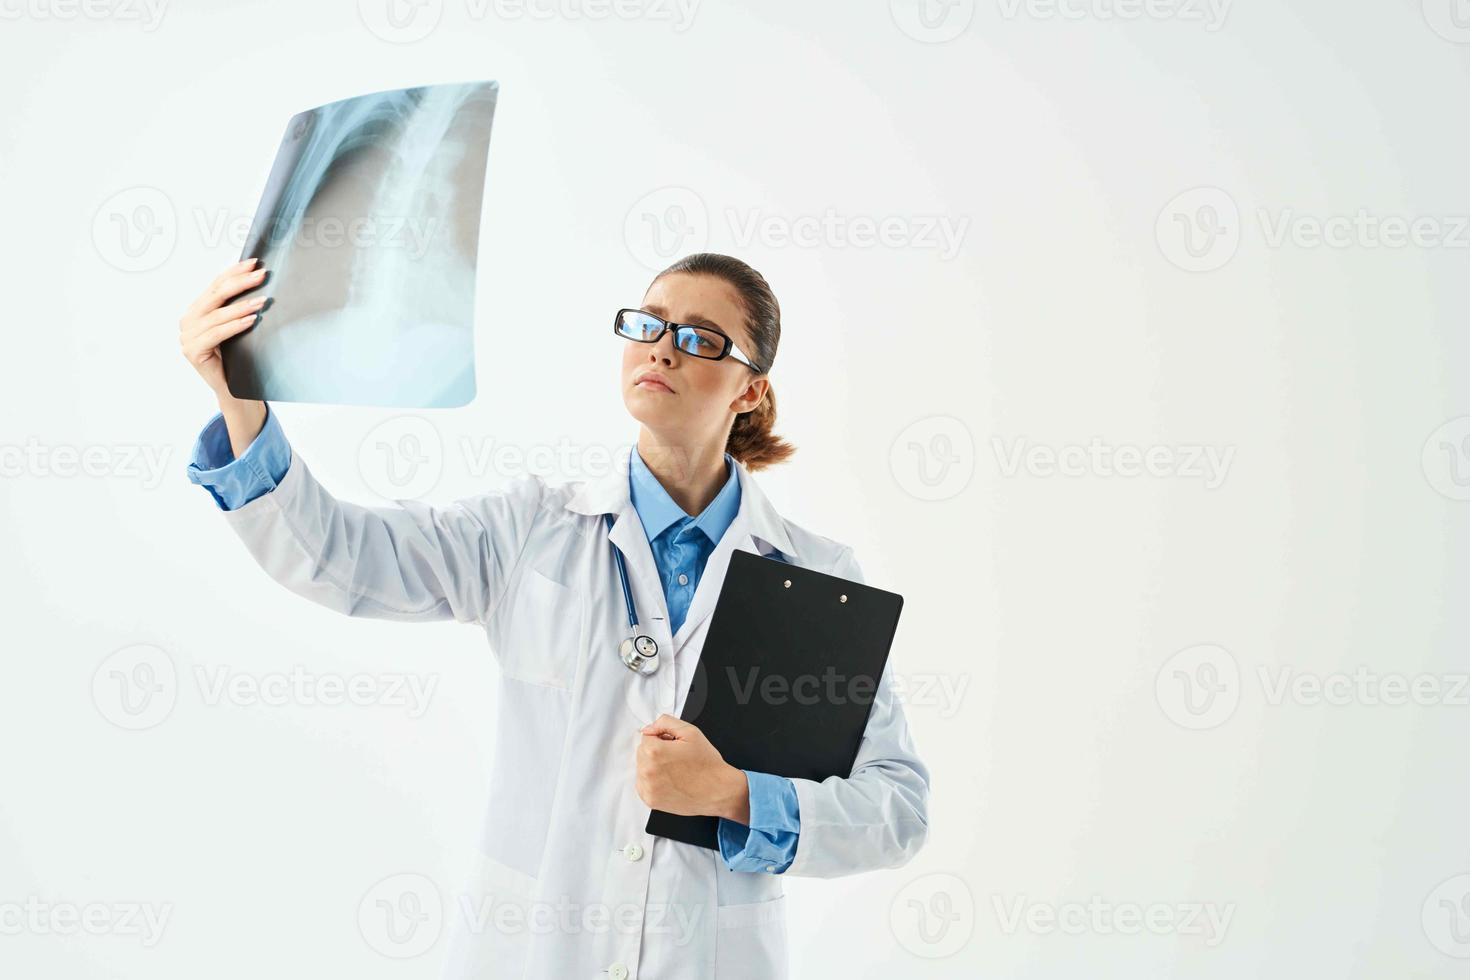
point(665, 350)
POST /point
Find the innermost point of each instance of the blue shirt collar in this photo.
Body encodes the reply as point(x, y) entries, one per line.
point(657, 510)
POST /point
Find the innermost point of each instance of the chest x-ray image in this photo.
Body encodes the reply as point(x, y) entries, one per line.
point(369, 225)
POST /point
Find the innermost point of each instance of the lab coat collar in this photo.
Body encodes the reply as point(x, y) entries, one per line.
point(608, 494)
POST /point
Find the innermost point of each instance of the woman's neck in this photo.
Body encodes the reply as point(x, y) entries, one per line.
point(692, 474)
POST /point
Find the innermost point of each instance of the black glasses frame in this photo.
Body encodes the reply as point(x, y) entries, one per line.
point(730, 349)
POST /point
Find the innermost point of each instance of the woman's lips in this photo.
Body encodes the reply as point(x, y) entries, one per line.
point(654, 384)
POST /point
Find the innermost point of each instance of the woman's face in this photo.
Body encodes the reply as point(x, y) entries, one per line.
point(701, 397)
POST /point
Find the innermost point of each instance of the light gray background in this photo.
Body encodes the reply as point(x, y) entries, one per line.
point(1114, 176)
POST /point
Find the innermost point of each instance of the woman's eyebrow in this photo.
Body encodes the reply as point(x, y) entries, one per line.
point(698, 319)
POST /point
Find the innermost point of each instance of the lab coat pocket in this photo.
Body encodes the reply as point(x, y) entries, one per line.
point(750, 942)
point(493, 919)
point(544, 633)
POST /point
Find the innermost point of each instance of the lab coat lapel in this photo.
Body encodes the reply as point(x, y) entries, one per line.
point(608, 494)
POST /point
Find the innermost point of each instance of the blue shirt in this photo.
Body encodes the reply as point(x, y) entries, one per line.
point(681, 545)
point(235, 482)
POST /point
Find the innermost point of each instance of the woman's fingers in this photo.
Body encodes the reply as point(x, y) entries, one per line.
point(230, 283)
point(209, 321)
point(225, 314)
point(211, 338)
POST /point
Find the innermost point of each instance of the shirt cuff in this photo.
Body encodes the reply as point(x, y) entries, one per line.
point(232, 482)
point(769, 843)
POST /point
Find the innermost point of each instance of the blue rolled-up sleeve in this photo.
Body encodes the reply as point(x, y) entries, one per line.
point(235, 482)
point(769, 843)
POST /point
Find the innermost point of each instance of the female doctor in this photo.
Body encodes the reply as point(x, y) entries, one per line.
point(588, 736)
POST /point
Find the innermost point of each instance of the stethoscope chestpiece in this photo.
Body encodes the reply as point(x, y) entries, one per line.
point(639, 653)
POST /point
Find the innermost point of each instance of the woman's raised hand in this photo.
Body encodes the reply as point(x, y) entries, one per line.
point(208, 322)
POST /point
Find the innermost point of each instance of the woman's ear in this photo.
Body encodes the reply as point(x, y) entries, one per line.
point(751, 396)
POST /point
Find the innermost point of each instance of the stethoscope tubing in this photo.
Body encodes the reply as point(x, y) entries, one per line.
point(623, 577)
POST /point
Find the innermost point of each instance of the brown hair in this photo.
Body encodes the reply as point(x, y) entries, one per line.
point(751, 440)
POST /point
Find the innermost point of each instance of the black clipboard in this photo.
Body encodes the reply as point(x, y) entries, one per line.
point(787, 676)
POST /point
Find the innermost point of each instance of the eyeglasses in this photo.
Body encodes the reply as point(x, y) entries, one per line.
point(705, 342)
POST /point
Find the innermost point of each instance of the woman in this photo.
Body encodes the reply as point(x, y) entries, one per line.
point(570, 884)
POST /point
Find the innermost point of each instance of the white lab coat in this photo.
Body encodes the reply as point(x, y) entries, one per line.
point(576, 890)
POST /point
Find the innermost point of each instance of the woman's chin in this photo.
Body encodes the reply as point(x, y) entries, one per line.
point(645, 409)
point(648, 404)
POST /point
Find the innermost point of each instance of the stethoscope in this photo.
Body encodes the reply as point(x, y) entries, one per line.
point(638, 651)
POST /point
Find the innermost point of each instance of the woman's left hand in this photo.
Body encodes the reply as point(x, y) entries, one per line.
point(680, 772)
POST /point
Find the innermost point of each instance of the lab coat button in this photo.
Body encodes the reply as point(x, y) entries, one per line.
point(633, 852)
point(618, 971)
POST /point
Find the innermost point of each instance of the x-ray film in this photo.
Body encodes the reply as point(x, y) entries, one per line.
point(368, 229)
